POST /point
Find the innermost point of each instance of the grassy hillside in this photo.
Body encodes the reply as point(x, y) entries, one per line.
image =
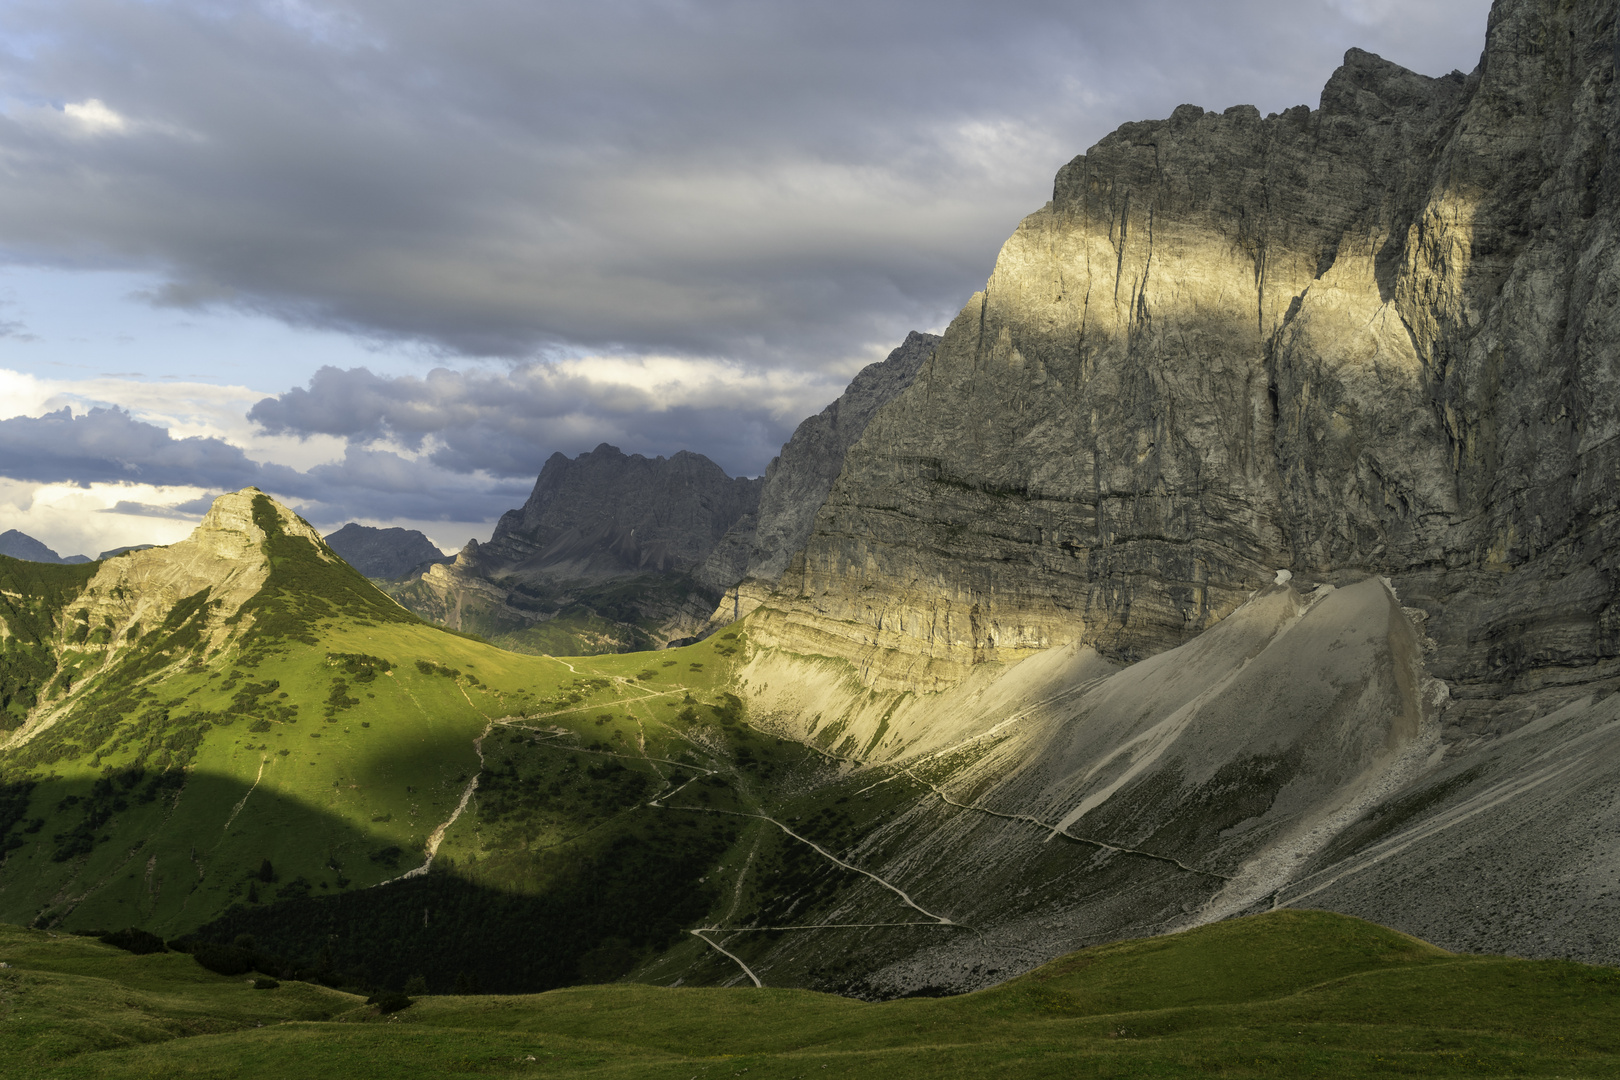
point(382, 804)
point(33, 607)
point(1282, 995)
point(331, 741)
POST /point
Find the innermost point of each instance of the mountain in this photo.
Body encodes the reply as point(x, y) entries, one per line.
point(241, 723)
point(752, 555)
point(1349, 341)
point(1243, 547)
point(1308, 411)
point(601, 558)
point(613, 552)
point(19, 545)
point(384, 553)
point(605, 515)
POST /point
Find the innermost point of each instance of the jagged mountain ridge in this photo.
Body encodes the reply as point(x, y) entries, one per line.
point(613, 551)
point(1374, 337)
point(602, 557)
point(607, 515)
point(384, 553)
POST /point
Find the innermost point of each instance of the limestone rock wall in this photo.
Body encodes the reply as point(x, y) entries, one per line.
point(1376, 337)
point(754, 553)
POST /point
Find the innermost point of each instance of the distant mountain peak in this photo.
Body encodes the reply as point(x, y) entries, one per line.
point(19, 545)
point(385, 553)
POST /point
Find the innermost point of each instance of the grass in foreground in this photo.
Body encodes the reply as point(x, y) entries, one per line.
point(1284, 994)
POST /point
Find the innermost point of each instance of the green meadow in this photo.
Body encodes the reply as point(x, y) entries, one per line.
point(1287, 994)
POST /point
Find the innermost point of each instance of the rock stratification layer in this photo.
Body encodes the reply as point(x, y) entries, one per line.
point(757, 549)
point(1377, 337)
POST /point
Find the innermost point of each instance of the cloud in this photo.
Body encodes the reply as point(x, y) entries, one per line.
point(189, 510)
point(507, 422)
point(775, 183)
point(84, 520)
point(110, 447)
point(185, 408)
point(92, 117)
point(662, 225)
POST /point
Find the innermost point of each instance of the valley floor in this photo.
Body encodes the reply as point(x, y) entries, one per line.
point(1284, 994)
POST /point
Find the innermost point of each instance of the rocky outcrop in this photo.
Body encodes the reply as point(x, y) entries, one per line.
point(222, 565)
point(1376, 337)
point(1294, 755)
point(601, 558)
point(606, 515)
point(753, 554)
point(385, 553)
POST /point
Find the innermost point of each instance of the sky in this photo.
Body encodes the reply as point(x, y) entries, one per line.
point(382, 258)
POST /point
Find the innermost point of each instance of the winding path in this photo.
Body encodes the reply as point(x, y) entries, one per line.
point(723, 951)
point(905, 898)
point(1061, 830)
point(437, 836)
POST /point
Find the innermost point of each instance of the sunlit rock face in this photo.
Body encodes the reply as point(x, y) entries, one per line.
point(224, 556)
point(753, 555)
point(1377, 337)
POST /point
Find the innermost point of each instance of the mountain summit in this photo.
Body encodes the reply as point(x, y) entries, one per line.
point(1374, 337)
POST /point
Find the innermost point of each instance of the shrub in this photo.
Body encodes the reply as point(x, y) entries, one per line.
point(223, 959)
point(135, 940)
point(388, 856)
point(265, 983)
point(389, 1002)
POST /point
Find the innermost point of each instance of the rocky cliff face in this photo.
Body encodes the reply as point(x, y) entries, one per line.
point(384, 553)
point(760, 546)
point(605, 515)
point(1376, 337)
point(601, 558)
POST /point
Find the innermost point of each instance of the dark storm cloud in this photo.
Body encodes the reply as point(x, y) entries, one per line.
point(507, 423)
point(110, 446)
point(782, 183)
